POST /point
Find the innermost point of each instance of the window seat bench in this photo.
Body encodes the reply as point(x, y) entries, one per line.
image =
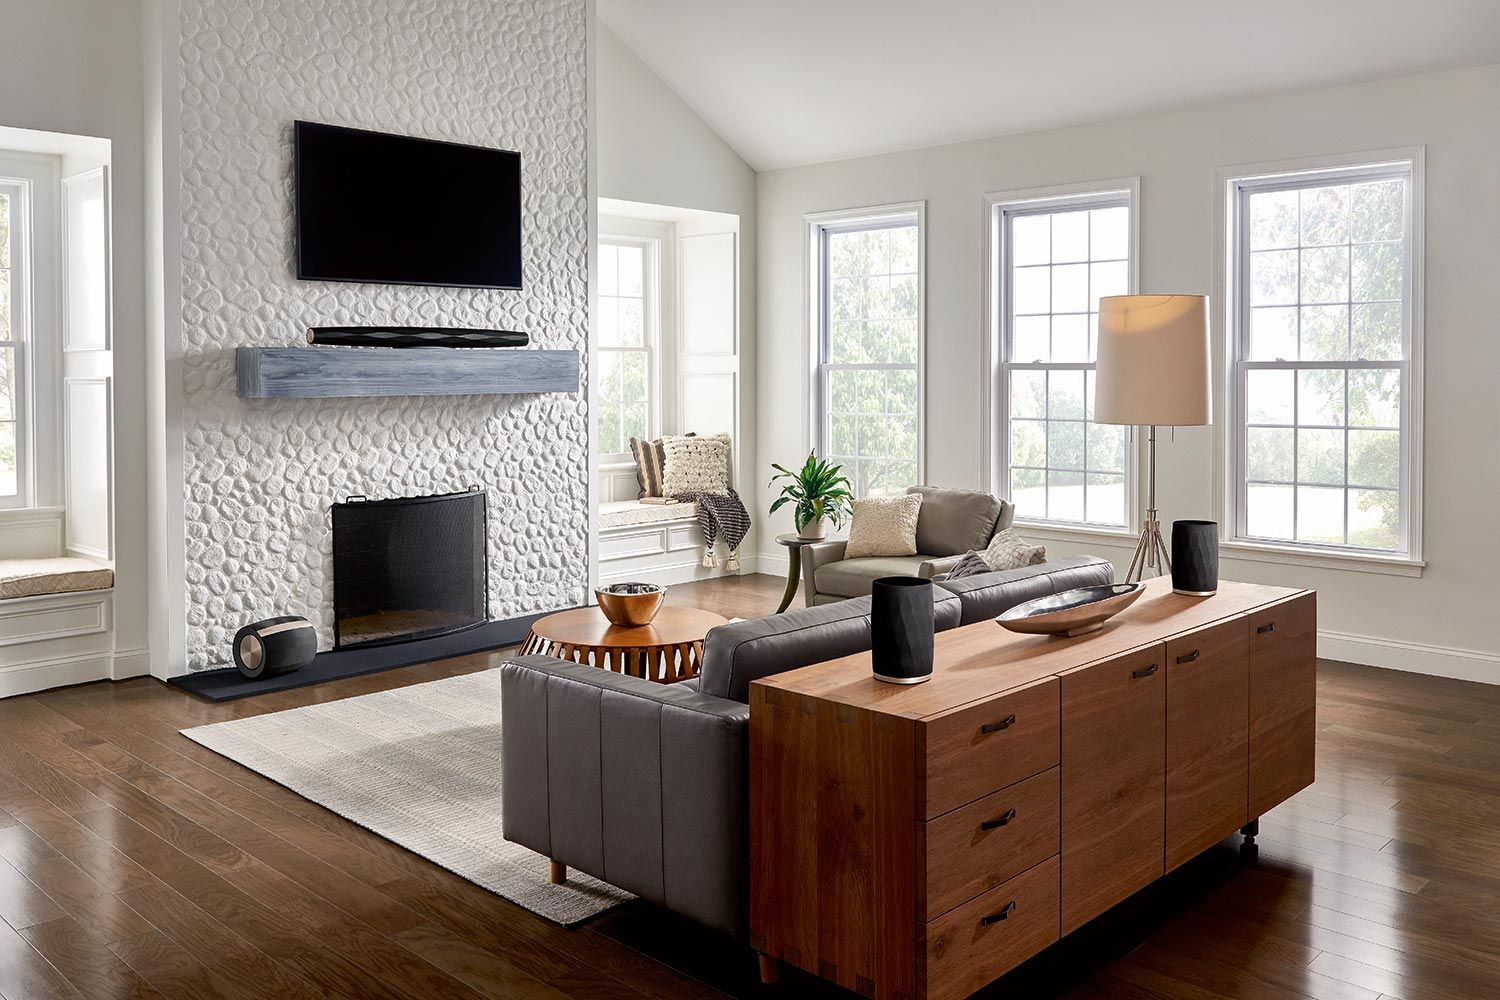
point(64, 575)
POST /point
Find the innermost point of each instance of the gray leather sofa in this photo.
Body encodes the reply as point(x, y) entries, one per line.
point(645, 785)
point(950, 523)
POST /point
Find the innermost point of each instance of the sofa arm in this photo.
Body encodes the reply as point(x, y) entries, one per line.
point(814, 556)
point(640, 784)
point(988, 595)
point(939, 566)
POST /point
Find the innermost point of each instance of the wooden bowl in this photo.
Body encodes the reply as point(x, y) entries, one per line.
point(1073, 612)
point(630, 605)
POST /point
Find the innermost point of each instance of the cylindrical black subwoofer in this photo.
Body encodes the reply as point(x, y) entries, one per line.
point(1195, 558)
point(275, 646)
point(901, 629)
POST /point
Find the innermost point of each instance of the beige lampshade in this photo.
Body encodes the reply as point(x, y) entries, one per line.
point(1154, 361)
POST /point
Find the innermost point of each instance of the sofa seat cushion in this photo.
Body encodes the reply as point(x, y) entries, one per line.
point(852, 577)
point(35, 577)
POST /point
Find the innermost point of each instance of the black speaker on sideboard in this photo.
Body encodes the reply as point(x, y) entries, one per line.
point(1195, 558)
point(275, 646)
point(901, 629)
point(413, 336)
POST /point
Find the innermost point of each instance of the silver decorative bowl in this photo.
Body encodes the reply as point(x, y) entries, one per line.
point(630, 605)
point(1073, 612)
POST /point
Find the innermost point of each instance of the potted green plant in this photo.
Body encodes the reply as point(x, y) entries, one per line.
point(819, 492)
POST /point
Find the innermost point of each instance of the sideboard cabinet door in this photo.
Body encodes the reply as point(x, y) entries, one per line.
point(1208, 711)
point(1283, 700)
point(1114, 781)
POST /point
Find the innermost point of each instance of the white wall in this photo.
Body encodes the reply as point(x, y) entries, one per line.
point(1442, 621)
point(76, 66)
point(258, 476)
point(654, 149)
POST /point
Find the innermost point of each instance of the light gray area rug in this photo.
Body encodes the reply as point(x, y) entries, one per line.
point(419, 765)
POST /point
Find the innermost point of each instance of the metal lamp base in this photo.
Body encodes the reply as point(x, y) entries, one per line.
point(1150, 550)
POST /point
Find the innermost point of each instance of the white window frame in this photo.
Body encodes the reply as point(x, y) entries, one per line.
point(1232, 186)
point(651, 310)
point(819, 225)
point(22, 335)
point(997, 322)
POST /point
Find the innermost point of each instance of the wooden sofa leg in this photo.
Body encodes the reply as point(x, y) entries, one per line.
point(770, 968)
point(559, 872)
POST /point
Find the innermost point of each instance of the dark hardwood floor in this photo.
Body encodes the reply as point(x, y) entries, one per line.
point(134, 863)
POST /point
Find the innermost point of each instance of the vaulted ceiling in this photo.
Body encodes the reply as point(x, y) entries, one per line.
point(788, 82)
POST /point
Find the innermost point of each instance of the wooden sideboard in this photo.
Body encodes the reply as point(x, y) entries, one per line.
point(918, 842)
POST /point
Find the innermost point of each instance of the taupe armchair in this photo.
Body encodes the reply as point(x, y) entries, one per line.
point(950, 524)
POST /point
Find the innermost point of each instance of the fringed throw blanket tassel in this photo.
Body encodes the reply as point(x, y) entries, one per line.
point(722, 518)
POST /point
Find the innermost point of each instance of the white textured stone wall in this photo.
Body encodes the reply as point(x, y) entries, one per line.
point(260, 474)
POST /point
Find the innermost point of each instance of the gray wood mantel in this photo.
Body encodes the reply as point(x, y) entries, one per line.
point(310, 372)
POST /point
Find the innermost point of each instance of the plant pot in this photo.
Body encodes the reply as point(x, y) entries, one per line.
point(815, 530)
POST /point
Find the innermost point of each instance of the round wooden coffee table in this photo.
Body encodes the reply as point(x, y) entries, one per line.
point(668, 650)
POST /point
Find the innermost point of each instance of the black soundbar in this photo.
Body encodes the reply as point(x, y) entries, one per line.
point(413, 336)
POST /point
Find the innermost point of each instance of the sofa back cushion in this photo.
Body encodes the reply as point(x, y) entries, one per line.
point(741, 652)
point(952, 522)
point(987, 595)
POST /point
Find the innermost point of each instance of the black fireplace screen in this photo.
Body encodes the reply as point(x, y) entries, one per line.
point(408, 568)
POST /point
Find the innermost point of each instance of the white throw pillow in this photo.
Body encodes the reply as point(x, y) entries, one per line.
point(1008, 550)
point(695, 465)
point(884, 526)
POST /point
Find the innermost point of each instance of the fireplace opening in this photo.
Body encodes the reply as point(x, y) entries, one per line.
point(409, 568)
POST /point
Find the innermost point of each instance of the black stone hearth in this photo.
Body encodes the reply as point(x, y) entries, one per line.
point(227, 685)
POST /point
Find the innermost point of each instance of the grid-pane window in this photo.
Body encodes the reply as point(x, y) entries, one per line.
point(12, 438)
point(1323, 347)
point(622, 388)
point(870, 340)
point(1057, 258)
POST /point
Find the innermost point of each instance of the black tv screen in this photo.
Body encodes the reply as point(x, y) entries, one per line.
point(397, 210)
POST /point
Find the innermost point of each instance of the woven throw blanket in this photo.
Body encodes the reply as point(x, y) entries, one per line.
point(720, 517)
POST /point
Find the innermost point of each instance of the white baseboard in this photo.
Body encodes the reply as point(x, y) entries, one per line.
point(774, 563)
point(686, 571)
point(73, 668)
point(1412, 657)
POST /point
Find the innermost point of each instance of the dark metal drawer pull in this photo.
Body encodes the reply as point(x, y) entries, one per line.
point(1267, 628)
point(1143, 672)
point(994, 824)
point(1189, 658)
point(995, 918)
point(995, 727)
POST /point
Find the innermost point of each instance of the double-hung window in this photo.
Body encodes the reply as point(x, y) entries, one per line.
point(1323, 339)
point(868, 385)
point(14, 318)
point(626, 336)
point(1052, 257)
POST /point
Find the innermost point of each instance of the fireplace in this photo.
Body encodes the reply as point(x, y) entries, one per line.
point(408, 568)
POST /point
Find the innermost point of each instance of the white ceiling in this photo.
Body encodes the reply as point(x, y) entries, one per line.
point(789, 82)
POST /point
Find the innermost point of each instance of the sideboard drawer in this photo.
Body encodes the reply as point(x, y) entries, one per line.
point(968, 947)
point(1208, 716)
point(972, 751)
point(978, 846)
point(1283, 700)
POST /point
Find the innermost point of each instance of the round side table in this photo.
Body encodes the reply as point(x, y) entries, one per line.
point(668, 650)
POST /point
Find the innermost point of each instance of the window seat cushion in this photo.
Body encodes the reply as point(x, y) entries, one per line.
point(628, 513)
point(34, 577)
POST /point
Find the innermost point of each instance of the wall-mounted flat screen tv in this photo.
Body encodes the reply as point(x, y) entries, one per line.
point(397, 210)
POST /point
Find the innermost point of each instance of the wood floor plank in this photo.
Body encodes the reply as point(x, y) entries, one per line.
point(87, 963)
point(159, 960)
point(24, 973)
point(22, 903)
